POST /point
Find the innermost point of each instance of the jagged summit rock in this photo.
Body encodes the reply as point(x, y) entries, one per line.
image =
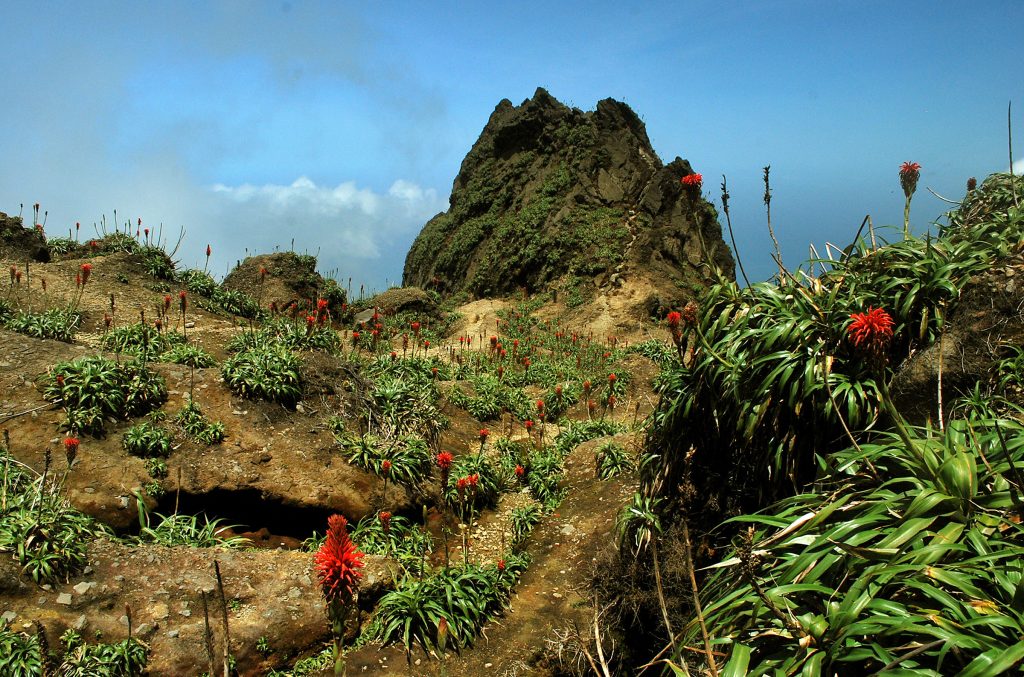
point(554, 197)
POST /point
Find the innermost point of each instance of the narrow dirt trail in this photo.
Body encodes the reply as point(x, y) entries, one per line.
point(551, 595)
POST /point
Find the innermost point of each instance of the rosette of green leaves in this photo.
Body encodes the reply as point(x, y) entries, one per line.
point(268, 371)
point(902, 555)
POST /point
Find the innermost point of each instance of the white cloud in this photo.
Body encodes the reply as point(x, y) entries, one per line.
point(355, 231)
point(1018, 167)
point(305, 195)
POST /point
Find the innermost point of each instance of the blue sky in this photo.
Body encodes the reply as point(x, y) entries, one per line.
point(341, 126)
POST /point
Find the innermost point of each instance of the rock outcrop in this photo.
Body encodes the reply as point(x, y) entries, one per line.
point(554, 197)
point(290, 278)
point(20, 243)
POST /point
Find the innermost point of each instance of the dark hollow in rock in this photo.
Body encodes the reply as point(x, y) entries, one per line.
point(268, 522)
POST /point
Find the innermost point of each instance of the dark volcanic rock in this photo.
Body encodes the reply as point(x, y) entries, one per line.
point(984, 327)
point(551, 193)
point(290, 278)
point(20, 243)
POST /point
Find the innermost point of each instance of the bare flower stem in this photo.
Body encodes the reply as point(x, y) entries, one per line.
point(768, 208)
point(728, 221)
point(696, 600)
point(661, 594)
point(224, 618)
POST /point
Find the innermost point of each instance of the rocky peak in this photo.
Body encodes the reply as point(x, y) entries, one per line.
point(552, 196)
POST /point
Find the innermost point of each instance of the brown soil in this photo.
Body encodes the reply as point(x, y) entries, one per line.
point(277, 476)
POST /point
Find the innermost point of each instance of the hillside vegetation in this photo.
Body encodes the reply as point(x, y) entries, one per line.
point(833, 536)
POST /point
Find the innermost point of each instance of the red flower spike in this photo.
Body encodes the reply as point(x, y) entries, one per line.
point(385, 520)
point(501, 565)
point(444, 460)
point(183, 300)
point(692, 181)
point(208, 251)
point(871, 332)
point(86, 269)
point(910, 172)
point(520, 470)
point(71, 446)
point(673, 319)
point(385, 467)
point(612, 378)
point(484, 432)
point(529, 424)
point(338, 562)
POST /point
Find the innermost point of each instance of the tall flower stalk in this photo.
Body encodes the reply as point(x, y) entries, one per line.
point(692, 184)
point(870, 334)
point(910, 172)
point(337, 565)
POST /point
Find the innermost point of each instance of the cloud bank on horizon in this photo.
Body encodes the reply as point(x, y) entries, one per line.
point(341, 128)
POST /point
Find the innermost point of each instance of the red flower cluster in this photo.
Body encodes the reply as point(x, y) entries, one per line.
point(692, 181)
point(484, 432)
point(338, 562)
point(520, 470)
point(871, 332)
point(444, 460)
point(385, 467)
point(385, 520)
point(673, 319)
point(910, 172)
point(467, 482)
point(71, 448)
point(86, 269)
